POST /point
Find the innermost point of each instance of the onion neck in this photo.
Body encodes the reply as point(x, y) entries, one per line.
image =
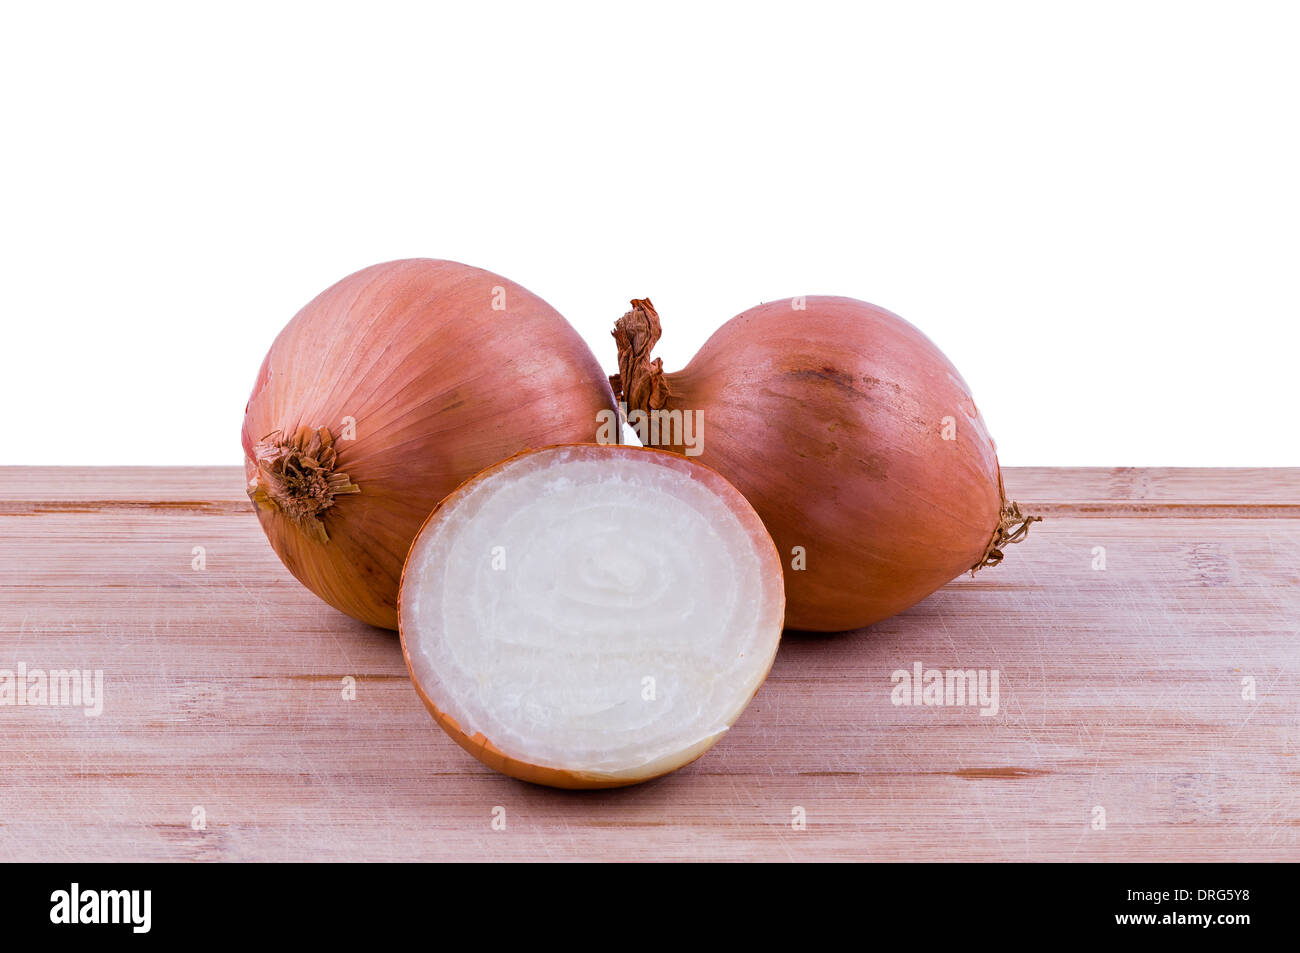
point(296, 477)
point(640, 384)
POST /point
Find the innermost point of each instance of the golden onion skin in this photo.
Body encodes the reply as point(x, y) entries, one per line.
point(831, 415)
point(419, 373)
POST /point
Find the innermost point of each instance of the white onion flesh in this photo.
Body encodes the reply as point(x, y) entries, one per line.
point(594, 610)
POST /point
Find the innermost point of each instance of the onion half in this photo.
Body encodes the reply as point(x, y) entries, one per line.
point(855, 439)
point(591, 616)
point(386, 392)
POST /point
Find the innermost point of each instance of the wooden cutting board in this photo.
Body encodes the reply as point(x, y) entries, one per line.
point(1148, 710)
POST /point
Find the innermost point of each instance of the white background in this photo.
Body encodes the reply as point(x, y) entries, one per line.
point(1092, 208)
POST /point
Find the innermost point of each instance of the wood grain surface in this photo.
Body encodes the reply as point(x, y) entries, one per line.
point(1122, 690)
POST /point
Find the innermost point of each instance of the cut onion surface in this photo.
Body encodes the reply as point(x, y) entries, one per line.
point(591, 616)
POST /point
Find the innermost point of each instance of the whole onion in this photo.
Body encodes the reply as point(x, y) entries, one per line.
point(854, 438)
point(385, 393)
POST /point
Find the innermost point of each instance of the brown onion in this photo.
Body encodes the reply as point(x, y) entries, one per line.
point(852, 435)
point(386, 392)
point(591, 616)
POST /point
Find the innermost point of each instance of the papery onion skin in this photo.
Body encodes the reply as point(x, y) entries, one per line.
point(522, 769)
point(829, 414)
point(387, 391)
